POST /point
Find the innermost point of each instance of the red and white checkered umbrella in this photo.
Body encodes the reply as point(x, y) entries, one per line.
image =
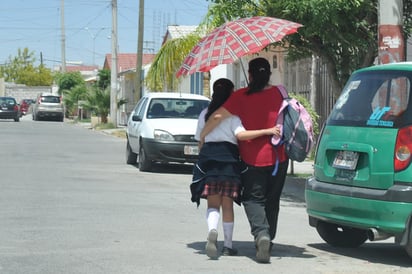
point(234, 39)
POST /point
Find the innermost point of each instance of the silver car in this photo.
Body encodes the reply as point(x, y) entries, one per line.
point(48, 106)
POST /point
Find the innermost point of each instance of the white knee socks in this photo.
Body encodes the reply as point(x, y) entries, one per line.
point(228, 234)
point(212, 217)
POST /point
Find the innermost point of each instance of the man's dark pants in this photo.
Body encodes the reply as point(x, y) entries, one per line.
point(261, 198)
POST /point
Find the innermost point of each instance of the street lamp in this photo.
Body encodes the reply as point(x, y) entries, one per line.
point(94, 36)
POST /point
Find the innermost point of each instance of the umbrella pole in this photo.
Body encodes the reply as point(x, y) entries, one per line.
point(244, 71)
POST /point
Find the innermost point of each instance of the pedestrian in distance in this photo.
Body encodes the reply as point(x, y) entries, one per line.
point(216, 176)
point(257, 106)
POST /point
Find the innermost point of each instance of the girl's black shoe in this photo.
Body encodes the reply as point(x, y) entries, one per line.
point(229, 251)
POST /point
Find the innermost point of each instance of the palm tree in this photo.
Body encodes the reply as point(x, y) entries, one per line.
point(98, 102)
point(161, 75)
point(98, 96)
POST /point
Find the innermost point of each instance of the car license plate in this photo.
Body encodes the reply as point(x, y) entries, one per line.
point(345, 159)
point(191, 150)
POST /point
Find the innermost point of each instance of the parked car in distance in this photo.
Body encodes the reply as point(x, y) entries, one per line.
point(362, 184)
point(9, 109)
point(161, 128)
point(25, 106)
point(48, 106)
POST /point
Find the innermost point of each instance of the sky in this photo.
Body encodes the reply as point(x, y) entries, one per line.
point(36, 25)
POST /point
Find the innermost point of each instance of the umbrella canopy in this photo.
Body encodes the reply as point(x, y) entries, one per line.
point(234, 39)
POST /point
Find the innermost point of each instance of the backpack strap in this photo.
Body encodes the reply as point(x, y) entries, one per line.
point(278, 140)
point(275, 140)
point(283, 91)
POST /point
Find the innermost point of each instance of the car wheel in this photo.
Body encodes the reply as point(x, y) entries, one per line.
point(341, 236)
point(144, 163)
point(17, 119)
point(131, 157)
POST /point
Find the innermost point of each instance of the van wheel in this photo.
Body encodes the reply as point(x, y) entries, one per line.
point(131, 157)
point(341, 236)
point(144, 163)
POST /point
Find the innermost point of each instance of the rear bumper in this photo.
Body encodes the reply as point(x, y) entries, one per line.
point(162, 151)
point(50, 114)
point(387, 210)
point(9, 114)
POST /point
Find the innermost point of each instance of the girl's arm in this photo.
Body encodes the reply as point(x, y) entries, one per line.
point(214, 119)
point(252, 134)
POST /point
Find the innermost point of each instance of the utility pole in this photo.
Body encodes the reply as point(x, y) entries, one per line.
point(63, 41)
point(139, 61)
point(113, 73)
point(391, 43)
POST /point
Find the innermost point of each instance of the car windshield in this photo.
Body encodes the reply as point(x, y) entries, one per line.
point(50, 99)
point(374, 99)
point(176, 108)
point(7, 101)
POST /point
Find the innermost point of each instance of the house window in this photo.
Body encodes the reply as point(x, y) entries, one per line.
point(275, 62)
point(196, 83)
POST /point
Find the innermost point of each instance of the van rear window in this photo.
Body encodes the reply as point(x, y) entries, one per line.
point(374, 99)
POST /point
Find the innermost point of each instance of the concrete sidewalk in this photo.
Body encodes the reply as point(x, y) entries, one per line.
point(305, 167)
point(295, 185)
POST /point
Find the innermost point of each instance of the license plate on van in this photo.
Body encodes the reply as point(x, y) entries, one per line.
point(191, 150)
point(345, 159)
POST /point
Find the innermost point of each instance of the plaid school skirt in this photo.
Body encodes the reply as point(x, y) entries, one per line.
point(221, 186)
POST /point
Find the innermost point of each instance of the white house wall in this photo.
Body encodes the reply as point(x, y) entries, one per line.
point(239, 75)
point(184, 85)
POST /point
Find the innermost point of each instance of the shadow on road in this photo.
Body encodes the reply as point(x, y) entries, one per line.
point(247, 249)
point(170, 168)
point(382, 253)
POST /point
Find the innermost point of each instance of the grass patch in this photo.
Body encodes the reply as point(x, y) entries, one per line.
point(119, 133)
point(105, 126)
point(299, 175)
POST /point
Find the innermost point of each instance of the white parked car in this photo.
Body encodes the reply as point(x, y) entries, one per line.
point(161, 128)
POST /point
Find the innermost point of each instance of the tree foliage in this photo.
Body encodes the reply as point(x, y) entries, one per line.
point(343, 32)
point(98, 96)
point(73, 88)
point(161, 75)
point(98, 102)
point(20, 69)
point(68, 80)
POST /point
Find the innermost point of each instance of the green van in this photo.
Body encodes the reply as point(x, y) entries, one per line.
point(362, 184)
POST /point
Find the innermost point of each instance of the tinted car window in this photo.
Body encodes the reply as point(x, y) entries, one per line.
point(374, 99)
point(7, 101)
point(175, 108)
point(50, 99)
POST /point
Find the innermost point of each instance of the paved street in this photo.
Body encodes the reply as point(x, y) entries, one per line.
point(69, 204)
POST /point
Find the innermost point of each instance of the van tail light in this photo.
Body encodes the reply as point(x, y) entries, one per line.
point(403, 149)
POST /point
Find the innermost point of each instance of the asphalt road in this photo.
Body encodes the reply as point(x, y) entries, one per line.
point(70, 205)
